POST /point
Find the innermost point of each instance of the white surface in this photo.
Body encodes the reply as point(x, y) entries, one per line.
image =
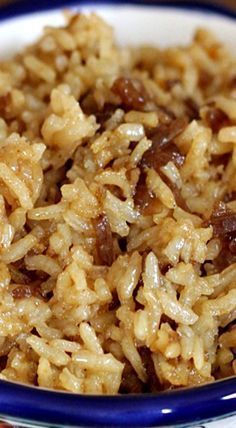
point(133, 25)
point(223, 423)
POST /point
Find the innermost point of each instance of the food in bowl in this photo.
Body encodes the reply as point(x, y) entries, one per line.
point(118, 212)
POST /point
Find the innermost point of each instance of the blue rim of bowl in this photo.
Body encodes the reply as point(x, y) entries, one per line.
point(22, 7)
point(177, 407)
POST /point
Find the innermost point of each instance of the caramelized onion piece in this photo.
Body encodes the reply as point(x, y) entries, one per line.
point(132, 93)
point(216, 119)
point(104, 240)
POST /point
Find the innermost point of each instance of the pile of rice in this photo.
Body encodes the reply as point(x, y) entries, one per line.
point(118, 213)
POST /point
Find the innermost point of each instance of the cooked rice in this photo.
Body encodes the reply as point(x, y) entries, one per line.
point(118, 213)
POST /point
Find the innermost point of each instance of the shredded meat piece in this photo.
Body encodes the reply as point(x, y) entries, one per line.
point(163, 149)
point(104, 242)
point(130, 383)
point(132, 93)
point(216, 119)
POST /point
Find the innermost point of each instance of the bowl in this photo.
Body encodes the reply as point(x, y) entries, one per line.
point(28, 406)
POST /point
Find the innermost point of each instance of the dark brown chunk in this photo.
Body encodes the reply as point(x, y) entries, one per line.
point(115, 303)
point(130, 383)
point(192, 109)
point(165, 114)
point(163, 149)
point(232, 83)
point(103, 115)
point(142, 197)
point(216, 119)
point(22, 291)
point(217, 160)
point(89, 106)
point(156, 157)
point(132, 93)
point(104, 242)
point(205, 79)
point(122, 244)
point(88, 103)
point(229, 196)
point(152, 384)
point(26, 291)
point(178, 197)
point(232, 245)
point(5, 101)
point(3, 362)
point(170, 83)
point(223, 221)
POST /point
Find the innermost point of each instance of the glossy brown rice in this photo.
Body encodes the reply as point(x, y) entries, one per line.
point(118, 213)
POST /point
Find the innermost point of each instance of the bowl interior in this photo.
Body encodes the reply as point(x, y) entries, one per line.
point(161, 26)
